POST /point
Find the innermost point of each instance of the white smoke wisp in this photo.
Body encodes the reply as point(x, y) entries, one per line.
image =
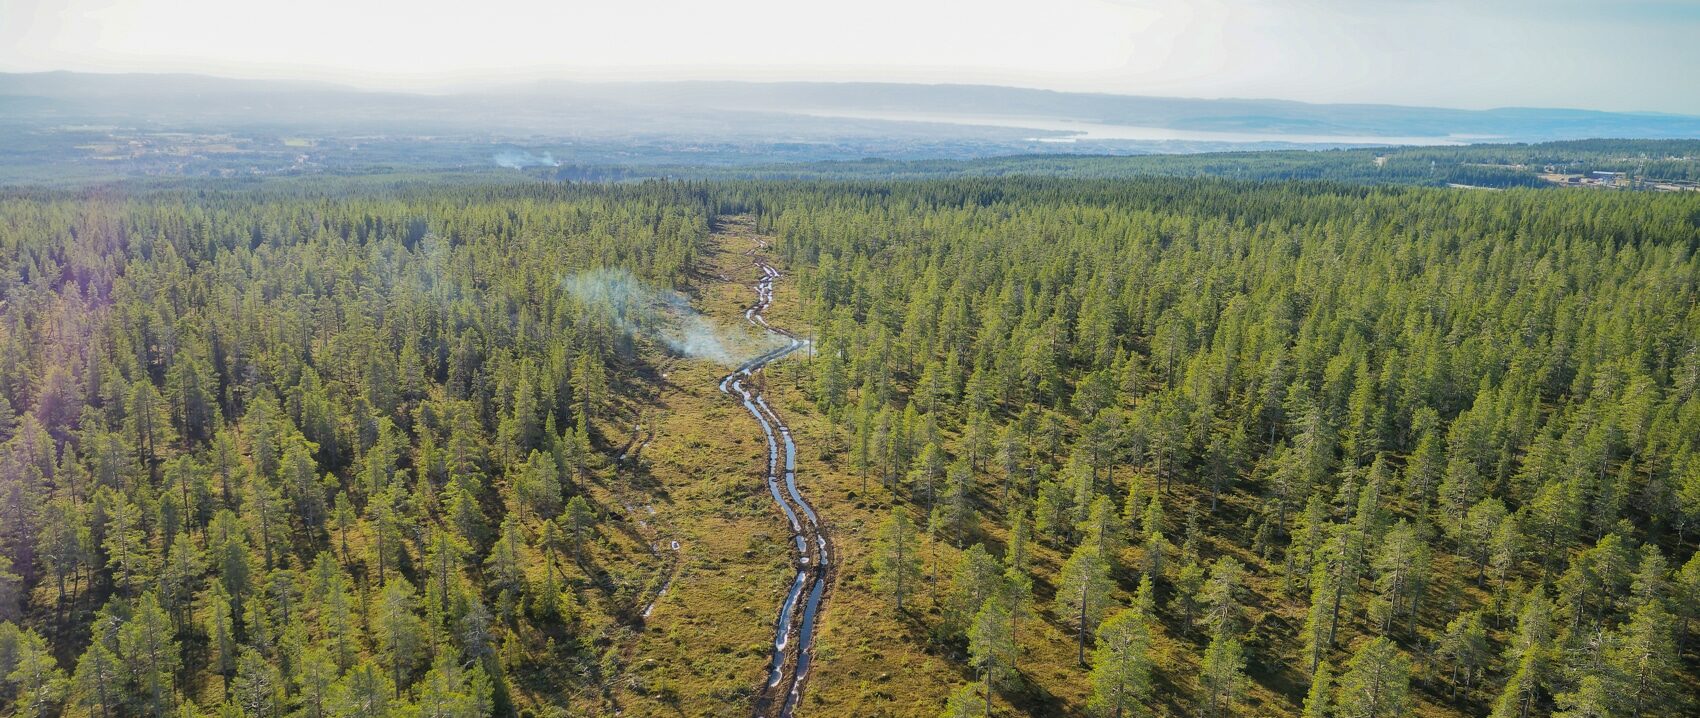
point(664, 316)
point(518, 160)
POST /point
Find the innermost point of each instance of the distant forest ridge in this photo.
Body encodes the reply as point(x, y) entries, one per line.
point(1643, 164)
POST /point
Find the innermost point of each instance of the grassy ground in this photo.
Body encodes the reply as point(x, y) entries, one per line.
point(704, 649)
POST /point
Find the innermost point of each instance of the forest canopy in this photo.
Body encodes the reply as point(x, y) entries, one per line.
point(344, 448)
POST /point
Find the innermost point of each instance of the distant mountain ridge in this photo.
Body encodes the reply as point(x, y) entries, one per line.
point(809, 110)
point(1171, 112)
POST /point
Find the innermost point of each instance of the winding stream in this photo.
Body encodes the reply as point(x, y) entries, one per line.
point(793, 634)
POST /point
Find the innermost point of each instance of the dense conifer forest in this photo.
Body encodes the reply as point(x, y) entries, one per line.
point(1142, 447)
point(1496, 166)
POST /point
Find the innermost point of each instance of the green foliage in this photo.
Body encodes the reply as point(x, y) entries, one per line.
point(1221, 676)
point(1376, 682)
point(31, 674)
point(1122, 666)
point(1083, 593)
point(967, 701)
point(1319, 700)
point(896, 561)
point(991, 642)
point(281, 448)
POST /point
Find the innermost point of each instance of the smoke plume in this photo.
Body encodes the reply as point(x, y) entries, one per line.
point(517, 159)
point(664, 316)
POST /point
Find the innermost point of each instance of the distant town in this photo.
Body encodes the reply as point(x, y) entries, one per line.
point(1601, 179)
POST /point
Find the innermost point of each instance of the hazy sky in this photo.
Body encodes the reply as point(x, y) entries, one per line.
point(1604, 54)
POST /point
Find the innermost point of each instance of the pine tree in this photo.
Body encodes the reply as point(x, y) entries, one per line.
point(1224, 457)
point(1156, 548)
point(1319, 700)
point(1221, 596)
point(386, 530)
point(503, 570)
point(831, 380)
point(98, 683)
point(1051, 512)
point(977, 577)
point(451, 692)
point(896, 566)
point(1189, 592)
point(398, 630)
point(960, 517)
point(1221, 676)
point(148, 647)
point(342, 516)
point(298, 476)
point(264, 509)
point(1650, 582)
point(1017, 549)
point(1376, 682)
point(221, 632)
point(1465, 645)
point(129, 557)
point(1017, 592)
point(60, 549)
point(521, 431)
point(1645, 655)
point(182, 570)
point(11, 590)
point(1402, 568)
point(1333, 578)
point(538, 484)
point(590, 385)
point(444, 592)
point(991, 643)
point(315, 683)
point(1686, 598)
point(1083, 594)
point(1591, 699)
point(1481, 525)
point(1103, 529)
point(1530, 657)
point(1122, 666)
point(148, 424)
point(966, 702)
point(581, 520)
point(36, 681)
point(363, 691)
point(259, 687)
point(334, 598)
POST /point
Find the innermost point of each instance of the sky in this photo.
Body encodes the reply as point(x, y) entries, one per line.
point(1595, 54)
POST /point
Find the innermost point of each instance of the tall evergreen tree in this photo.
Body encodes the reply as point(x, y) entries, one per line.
point(1122, 666)
point(896, 563)
point(1083, 594)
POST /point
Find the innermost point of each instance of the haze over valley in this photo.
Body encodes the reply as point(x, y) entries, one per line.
point(91, 126)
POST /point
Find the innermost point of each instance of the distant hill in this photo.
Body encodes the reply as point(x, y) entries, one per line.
point(806, 111)
point(1274, 117)
point(75, 127)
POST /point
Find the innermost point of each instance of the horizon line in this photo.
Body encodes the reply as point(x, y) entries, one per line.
point(462, 86)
